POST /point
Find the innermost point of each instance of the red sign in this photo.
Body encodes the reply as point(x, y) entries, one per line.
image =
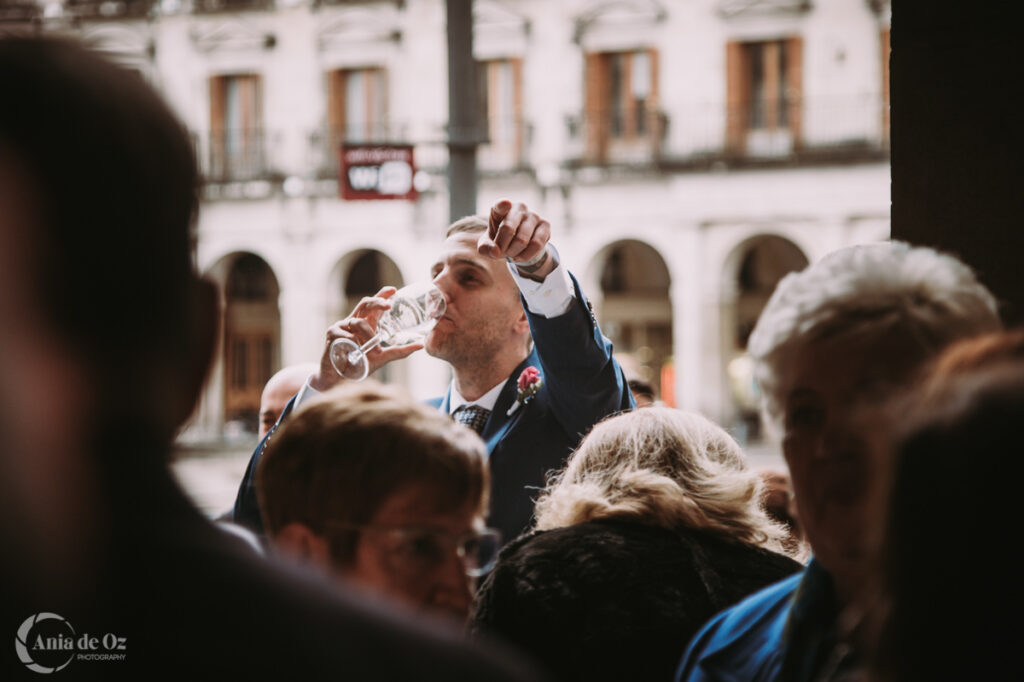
point(377, 172)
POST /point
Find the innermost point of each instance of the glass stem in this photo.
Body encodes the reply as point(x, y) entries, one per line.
point(353, 357)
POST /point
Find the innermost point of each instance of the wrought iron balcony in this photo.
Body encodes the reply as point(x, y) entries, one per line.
point(820, 130)
point(507, 146)
point(617, 136)
point(325, 143)
point(109, 9)
point(212, 6)
point(235, 155)
point(18, 11)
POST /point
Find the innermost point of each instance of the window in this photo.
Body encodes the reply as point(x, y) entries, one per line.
point(250, 363)
point(501, 92)
point(763, 96)
point(621, 99)
point(250, 280)
point(357, 106)
point(251, 335)
point(236, 127)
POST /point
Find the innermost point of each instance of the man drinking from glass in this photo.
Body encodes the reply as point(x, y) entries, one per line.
point(531, 370)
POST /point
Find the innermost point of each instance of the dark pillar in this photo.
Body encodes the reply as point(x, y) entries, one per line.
point(463, 130)
point(958, 137)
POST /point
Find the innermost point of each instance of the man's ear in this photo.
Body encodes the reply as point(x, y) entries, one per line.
point(299, 542)
point(522, 324)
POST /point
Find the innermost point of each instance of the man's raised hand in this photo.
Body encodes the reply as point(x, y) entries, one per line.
point(520, 235)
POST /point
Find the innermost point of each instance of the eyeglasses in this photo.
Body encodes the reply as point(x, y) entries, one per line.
point(424, 548)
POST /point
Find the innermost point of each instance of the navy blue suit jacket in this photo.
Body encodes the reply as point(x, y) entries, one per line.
point(582, 385)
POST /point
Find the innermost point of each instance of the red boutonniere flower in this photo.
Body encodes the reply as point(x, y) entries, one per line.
point(529, 383)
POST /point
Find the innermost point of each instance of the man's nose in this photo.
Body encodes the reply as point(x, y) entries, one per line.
point(442, 281)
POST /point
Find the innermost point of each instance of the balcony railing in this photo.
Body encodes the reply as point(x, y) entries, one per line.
point(507, 145)
point(810, 130)
point(17, 11)
point(317, 3)
point(325, 144)
point(614, 136)
point(211, 6)
point(109, 9)
point(235, 155)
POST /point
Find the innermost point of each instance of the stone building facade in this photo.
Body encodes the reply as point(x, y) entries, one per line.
point(688, 154)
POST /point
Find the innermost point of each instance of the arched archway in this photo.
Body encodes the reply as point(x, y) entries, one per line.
point(752, 271)
point(357, 274)
point(251, 333)
point(635, 310)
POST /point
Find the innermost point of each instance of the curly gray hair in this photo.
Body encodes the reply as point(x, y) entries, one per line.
point(869, 289)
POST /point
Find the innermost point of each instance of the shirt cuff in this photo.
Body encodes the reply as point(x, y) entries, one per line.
point(305, 394)
point(550, 298)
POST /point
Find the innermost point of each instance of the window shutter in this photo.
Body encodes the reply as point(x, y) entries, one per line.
point(794, 87)
point(335, 106)
point(736, 95)
point(655, 121)
point(594, 116)
point(217, 104)
point(251, 96)
point(216, 154)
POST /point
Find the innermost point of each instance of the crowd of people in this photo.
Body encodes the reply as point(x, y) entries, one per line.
point(537, 521)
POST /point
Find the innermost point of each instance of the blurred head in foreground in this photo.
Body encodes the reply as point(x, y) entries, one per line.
point(950, 526)
point(372, 487)
point(106, 329)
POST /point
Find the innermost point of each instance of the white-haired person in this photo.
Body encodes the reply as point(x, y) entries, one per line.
point(835, 342)
point(653, 527)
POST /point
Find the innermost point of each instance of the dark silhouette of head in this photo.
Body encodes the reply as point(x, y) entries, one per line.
point(109, 191)
point(106, 332)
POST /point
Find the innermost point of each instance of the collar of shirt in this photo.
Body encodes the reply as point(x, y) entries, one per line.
point(487, 400)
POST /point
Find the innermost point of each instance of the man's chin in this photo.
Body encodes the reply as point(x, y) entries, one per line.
point(434, 347)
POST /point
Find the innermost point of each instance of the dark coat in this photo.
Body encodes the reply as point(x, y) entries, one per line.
point(617, 600)
point(582, 384)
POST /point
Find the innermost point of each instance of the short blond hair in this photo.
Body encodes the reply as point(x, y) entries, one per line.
point(665, 467)
point(470, 223)
point(339, 458)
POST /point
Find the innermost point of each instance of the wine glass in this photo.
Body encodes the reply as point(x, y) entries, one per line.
point(414, 311)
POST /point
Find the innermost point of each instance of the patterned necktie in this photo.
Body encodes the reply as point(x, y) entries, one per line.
point(472, 416)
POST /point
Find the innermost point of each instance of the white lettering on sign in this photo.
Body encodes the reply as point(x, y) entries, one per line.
point(363, 178)
point(395, 178)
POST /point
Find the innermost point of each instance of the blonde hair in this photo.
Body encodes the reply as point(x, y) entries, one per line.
point(664, 467)
point(470, 223)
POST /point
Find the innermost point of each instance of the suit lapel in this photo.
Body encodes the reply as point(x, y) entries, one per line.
point(499, 422)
